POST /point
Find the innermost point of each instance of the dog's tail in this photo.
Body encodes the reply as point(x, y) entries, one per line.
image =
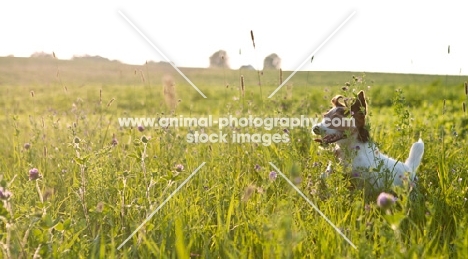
point(415, 155)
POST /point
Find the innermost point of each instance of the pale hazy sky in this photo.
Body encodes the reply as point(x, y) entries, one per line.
point(397, 36)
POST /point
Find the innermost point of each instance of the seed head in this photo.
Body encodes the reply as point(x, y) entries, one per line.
point(248, 192)
point(252, 36)
point(100, 207)
point(242, 85)
point(281, 76)
point(110, 102)
point(49, 192)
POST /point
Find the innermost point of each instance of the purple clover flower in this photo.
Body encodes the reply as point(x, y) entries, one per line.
point(385, 200)
point(4, 194)
point(179, 168)
point(114, 141)
point(34, 174)
point(273, 175)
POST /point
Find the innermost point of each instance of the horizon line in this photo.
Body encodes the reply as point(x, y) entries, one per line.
point(162, 62)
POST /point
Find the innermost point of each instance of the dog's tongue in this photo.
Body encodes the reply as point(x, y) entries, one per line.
point(319, 140)
point(328, 139)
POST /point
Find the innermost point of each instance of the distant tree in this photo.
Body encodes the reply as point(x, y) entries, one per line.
point(247, 67)
point(219, 59)
point(41, 55)
point(89, 57)
point(272, 61)
point(163, 63)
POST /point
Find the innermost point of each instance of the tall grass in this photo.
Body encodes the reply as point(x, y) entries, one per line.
point(99, 184)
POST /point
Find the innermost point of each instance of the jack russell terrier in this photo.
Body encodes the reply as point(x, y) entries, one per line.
point(345, 125)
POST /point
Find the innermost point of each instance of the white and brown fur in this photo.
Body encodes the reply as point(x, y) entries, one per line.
point(354, 147)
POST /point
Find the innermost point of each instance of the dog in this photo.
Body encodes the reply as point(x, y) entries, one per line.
point(354, 148)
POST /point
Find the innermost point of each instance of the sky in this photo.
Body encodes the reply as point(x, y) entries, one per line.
point(396, 36)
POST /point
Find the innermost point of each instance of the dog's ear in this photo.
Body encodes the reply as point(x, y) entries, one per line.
point(337, 101)
point(359, 107)
point(358, 111)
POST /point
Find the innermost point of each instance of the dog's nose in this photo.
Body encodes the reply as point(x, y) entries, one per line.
point(316, 130)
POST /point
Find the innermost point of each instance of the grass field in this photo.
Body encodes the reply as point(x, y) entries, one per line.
point(99, 181)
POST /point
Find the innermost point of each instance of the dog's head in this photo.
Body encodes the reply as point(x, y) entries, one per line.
point(345, 119)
